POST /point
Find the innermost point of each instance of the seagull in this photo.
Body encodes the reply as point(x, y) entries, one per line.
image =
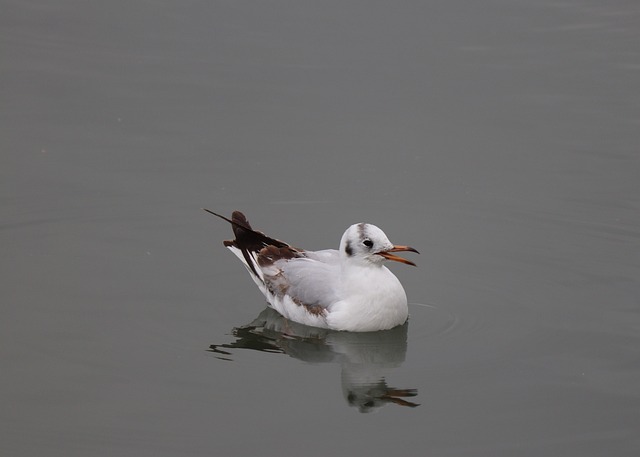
point(348, 289)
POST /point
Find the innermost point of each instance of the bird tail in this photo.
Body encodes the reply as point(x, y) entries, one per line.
point(248, 242)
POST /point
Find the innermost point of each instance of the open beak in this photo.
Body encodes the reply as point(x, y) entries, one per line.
point(389, 256)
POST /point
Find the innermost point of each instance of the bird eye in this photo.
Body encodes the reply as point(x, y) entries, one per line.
point(368, 243)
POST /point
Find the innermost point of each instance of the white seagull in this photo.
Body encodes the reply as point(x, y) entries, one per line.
point(346, 289)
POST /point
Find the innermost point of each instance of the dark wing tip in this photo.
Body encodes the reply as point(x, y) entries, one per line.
point(216, 214)
point(246, 237)
point(237, 218)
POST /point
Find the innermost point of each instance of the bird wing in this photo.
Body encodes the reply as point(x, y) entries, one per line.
point(312, 280)
point(249, 245)
point(309, 278)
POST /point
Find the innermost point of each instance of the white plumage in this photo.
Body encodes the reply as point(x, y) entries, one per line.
point(346, 289)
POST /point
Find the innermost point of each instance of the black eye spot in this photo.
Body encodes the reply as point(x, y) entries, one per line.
point(348, 249)
point(368, 243)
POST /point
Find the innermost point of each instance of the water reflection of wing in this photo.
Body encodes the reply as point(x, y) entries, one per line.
point(365, 358)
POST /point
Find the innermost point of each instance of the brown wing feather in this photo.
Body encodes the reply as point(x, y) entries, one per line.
point(247, 237)
point(269, 250)
point(249, 240)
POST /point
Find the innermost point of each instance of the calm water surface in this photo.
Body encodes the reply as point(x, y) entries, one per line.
point(499, 138)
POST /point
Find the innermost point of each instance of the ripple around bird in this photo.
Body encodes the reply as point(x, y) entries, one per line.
point(431, 321)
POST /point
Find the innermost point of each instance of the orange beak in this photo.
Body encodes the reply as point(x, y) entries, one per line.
point(387, 255)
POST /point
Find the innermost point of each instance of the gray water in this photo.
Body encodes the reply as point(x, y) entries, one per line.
point(500, 138)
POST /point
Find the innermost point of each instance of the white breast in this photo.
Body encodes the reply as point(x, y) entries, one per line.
point(373, 299)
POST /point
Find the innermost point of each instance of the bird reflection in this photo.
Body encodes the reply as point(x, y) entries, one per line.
point(365, 358)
